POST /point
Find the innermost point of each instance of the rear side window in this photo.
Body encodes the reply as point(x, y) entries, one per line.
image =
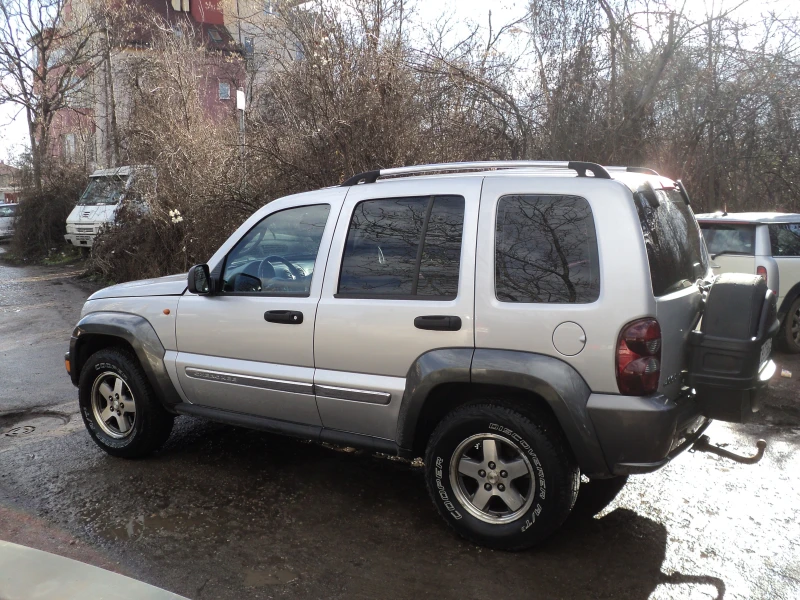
point(404, 248)
point(722, 238)
point(674, 245)
point(546, 250)
point(785, 239)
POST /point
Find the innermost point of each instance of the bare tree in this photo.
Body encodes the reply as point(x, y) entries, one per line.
point(46, 52)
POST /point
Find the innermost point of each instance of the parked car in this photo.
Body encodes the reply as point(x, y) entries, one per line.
point(518, 324)
point(30, 574)
point(767, 244)
point(100, 202)
point(8, 214)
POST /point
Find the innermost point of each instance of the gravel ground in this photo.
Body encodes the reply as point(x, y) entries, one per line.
point(223, 512)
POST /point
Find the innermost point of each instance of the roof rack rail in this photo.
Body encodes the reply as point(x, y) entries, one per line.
point(643, 170)
point(580, 167)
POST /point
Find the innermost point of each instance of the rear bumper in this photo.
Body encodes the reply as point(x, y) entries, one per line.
point(642, 434)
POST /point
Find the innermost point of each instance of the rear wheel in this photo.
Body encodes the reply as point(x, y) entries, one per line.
point(501, 477)
point(791, 329)
point(119, 408)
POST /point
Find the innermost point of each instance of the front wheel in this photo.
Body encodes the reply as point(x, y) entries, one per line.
point(501, 477)
point(119, 408)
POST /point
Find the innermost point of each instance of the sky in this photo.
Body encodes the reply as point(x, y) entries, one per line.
point(13, 128)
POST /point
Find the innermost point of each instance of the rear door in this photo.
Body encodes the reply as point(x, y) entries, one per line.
point(785, 244)
point(402, 250)
point(732, 246)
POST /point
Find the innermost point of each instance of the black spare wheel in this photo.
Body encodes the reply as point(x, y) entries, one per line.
point(730, 353)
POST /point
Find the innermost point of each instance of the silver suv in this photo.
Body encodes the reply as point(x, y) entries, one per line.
point(517, 324)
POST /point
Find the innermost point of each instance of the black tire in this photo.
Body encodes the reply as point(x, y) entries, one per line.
point(152, 424)
point(594, 495)
point(787, 340)
point(538, 439)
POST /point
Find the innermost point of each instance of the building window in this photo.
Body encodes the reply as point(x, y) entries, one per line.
point(299, 53)
point(69, 147)
point(269, 7)
point(224, 91)
point(249, 47)
point(214, 35)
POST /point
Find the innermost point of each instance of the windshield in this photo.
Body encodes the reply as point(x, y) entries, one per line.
point(724, 238)
point(103, 191)
point(674, 245)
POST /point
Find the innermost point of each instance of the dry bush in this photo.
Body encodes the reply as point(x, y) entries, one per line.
point(39, 227)
point(196, 158)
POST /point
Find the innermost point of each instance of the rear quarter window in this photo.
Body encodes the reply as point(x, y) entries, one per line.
point(674, 245)
point(785, 239)
point(546, 250)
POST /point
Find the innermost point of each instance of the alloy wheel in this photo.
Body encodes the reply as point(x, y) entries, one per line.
point(492, 478)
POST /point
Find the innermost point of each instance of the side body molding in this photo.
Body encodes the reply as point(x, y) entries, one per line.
point(144, 340)
point(559, 385)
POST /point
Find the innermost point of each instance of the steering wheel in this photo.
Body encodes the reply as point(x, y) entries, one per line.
point(267, 271)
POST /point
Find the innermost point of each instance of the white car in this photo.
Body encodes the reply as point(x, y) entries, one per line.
point(97, 208)
point(767, 244)
point(8, 213)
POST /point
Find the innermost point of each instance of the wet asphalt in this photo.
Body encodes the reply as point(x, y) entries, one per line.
point(223, 512)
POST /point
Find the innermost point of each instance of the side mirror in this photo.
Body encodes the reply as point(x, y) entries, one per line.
point(199, 280)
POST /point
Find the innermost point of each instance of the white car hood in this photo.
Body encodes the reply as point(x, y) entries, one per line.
point(171, 285)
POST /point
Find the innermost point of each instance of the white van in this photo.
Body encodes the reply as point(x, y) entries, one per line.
point(99, 203)
point(8, 213)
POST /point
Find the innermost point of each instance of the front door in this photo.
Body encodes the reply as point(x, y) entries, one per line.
point(400, 282)
point(249, 347)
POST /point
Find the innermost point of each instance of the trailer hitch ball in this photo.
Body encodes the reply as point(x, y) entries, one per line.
point(704, 445)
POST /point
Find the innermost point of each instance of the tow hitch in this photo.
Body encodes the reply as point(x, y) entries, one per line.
point(704, 445)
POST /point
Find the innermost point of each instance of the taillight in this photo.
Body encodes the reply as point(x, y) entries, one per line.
point(639, 357)
point(763, 272)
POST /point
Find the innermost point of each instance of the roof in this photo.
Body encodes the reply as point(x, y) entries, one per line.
point(749, 217)
point(8, 169)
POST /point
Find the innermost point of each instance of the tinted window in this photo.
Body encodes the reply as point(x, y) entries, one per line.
point(674, 245)
point(277, 256)
point(404, 247)
point(785, 239)
point(546, 250)
point(722, 238)
point(8, 211)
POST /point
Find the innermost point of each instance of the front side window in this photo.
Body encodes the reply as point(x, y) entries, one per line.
point(277, 256)
point(404, 247)
point(785, 239)
point(546, 250)
point(722, 238)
